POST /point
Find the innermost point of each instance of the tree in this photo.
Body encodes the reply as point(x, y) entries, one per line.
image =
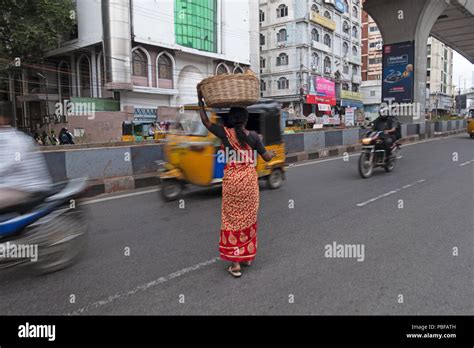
point(29, 27)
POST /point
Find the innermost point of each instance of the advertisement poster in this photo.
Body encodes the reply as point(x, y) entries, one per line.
point(349, 117)
point(321, 91)
point(398, 72)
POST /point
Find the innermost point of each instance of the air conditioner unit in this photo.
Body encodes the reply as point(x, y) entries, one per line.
point(327, 70)
point(378, 46)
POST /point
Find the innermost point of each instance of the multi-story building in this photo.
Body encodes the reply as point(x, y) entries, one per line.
point(300, 40)
point(140, 53)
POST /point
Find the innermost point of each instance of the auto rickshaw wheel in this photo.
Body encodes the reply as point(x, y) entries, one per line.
point(171, 189)
point(275, 179)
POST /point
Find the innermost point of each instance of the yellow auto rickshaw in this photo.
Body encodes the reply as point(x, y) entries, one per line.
point(136, 130)
point(470, 123)
point(191, 150)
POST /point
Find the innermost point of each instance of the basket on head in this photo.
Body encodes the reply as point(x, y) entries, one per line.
point(227, 90)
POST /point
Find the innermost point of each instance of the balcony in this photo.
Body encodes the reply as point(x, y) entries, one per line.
point(320, 46)
point(354, 59)
point(356, 79)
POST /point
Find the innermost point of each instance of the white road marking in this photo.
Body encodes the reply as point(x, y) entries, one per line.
point(465, 163)
point(390, 193)
point(92, 201)
point(143, 287)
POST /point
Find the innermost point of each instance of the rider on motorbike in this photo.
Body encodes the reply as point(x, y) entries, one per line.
point(23, 172)
point(386, 124)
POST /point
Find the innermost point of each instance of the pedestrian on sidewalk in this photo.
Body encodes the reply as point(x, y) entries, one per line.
point(240, 191)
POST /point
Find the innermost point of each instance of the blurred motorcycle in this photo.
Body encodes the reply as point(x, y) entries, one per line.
point(374, 154)
point(53, 223)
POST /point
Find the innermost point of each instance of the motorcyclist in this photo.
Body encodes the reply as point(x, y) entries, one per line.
point(386, 124)
point(23, 171)
point(65, 137)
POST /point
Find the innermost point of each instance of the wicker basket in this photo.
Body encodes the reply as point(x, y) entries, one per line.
point(227, 90)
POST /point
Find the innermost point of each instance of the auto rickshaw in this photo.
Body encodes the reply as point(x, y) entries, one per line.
point(470, 123)
point(191, 150)
point(136, 130)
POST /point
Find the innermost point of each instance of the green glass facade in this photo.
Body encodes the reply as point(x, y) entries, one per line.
point(196, 24)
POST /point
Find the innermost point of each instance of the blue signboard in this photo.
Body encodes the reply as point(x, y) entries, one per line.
point(398, 72)
point(340, 6)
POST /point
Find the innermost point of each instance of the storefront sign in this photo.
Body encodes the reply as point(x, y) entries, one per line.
point(321, 91)
point(349, 117)
point(325, 22)
point(144, 114)
point(351, 95)
point(398, 72)
point(340, 6)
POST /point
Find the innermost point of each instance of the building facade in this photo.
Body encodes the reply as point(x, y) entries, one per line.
point(304, 40)
point(140, 53)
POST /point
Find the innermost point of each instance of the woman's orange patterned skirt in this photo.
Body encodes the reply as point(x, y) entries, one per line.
point(240, 200)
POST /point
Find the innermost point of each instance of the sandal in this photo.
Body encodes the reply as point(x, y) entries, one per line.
point(234, 272)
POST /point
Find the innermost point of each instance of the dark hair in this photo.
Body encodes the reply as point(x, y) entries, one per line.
point(238, 119)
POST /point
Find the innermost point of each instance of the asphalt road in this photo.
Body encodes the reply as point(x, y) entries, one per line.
point(173, 266)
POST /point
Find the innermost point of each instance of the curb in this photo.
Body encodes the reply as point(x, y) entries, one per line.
point(126, 183)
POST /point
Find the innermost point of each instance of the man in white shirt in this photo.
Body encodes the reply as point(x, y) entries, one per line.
point(23, 171)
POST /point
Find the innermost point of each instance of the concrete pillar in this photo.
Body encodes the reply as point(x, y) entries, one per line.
point(408, 20)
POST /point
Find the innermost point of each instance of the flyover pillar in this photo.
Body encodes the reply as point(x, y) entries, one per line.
point(408, 20)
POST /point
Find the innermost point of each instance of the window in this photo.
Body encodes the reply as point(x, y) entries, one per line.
point(355, 32)
point(346, 5)
point(263, 85)
point(282, 59)
point(355, 13)
point(64, 81)
point(262, 63)
point(428, 51)
point(354, 50)
point(345, 27)
point(315, 8)
point(372, 93)
point(283, 83)
point(165, 68)
point(375, 60)
point(196, 24)
point(345, 86)
point(345, 48)
point(315, 60)
point(262, 16)
point(327, 65)
point(428, 63)
point(373, 28)
point(281, 36)
point(354, 70)
point(327, 14)
point(345, 69)
point(262, 39)
point(315, 35)
point(84, 76)
point(139, 63)
point(282, 11)
point(327, 40)
point(222, 69)
point(355, 87)
point(238, 70)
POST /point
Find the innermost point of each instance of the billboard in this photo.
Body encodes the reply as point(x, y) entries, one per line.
point(398, 72)
point(321, 91)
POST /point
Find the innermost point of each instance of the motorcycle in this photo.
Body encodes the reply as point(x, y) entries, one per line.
point(48, 233)
point(374, 155)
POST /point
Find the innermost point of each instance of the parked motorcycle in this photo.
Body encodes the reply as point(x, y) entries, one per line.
point(374, 155)
point(53, 224)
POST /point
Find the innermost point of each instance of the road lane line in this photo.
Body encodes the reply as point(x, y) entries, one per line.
point(465, 163)
point(390, 193)
point(143, 287)
point(92, 201)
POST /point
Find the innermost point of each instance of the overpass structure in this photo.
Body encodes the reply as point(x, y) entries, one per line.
point(400, 21)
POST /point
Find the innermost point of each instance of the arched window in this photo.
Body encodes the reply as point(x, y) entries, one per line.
point(345, 27)
point(281, 35)
point(347, 5)
point(165, 71)
point(327, 40)
point(315, 60)
point(263, 86)
point(283, 83)
point(327, 14)
point(282, 11)
point(282, 59)
point(354, 50)
point(355, 32)
point(345, 48)
point(238, 70)
point(315, 8)
point(327, 65)
point(262, 62)
point(262, 16)
point(315, 35)
point(64, 81)
point(222, 69)
point(355, 13)
point(84, 77)
point(139, 63)
point(345, 86)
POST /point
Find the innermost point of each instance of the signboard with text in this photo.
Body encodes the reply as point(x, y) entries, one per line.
point(398, 72)
point(321, 91)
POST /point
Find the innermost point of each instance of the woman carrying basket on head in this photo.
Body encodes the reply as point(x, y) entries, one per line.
point(240, 192)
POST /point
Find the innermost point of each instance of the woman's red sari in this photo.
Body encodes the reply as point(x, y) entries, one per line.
point(240, 200)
